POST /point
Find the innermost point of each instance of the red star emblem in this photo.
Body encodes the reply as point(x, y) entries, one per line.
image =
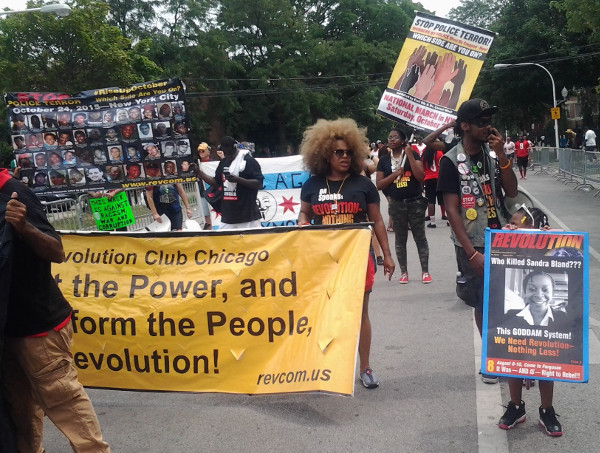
point(288, 204)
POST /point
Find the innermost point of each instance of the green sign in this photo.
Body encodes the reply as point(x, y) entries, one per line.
point(112, 214)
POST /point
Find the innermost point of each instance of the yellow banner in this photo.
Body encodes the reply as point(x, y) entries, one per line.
point(254, 312)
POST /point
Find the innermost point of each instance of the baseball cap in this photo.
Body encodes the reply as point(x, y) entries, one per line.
point(474, 108)
point(378, 142)
point(203, 146)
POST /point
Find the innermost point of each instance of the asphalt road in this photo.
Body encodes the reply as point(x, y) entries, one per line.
point(425, 353)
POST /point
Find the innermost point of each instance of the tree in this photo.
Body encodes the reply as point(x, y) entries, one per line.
point(135, 18)
point(479, 13)
point(582, 16)
point(40, 52)
point(532, 31)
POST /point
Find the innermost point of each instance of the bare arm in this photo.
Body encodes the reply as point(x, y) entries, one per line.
point(416, 166)
point(184, 198)
point(209, 179)
point(251, 183)
point(151, 204)
point(451, 202)
point(44, 245)
point(380, 233)
point(306, 214)
point(432, 139)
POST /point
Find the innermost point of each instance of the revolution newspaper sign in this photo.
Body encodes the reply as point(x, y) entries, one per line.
point(107, 138)
point(273, 310)
point(535, 322)
point(435, 72)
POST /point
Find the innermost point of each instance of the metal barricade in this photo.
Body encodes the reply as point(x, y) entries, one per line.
point(565, 166)
point(75, 214)
point(577, 164)
point(592, 171)
point(579, 167)
point(62, 213)
point(542, 159)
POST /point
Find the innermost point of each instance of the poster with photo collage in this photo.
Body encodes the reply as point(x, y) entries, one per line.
point(101, 139)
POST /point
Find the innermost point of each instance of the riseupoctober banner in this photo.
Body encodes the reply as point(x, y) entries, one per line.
point(255, 312)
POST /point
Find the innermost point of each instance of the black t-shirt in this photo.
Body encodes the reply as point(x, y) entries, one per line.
point(404, 188)
point(166, 195)
point(336, 202)
point(239, 205)
point(36, 304)
point(450, 180)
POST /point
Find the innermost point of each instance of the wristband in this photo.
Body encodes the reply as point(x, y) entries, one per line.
point(506, 166)
point(473, 255)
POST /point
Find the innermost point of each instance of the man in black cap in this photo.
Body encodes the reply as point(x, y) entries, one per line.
point(472, 177)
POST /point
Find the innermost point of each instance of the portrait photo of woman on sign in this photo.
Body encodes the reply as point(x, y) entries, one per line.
point(535, 298)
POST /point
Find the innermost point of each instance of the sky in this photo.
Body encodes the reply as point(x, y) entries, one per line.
point(441, 7)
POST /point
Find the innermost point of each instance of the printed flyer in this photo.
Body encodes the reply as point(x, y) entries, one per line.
point(535, 322)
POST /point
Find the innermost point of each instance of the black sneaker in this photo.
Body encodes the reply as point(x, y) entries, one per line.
point(431, 225)
point(549, 422)
point(512, 416)
point(444, 217)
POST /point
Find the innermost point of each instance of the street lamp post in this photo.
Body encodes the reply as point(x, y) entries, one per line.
point(56, 8)
point(502, 66)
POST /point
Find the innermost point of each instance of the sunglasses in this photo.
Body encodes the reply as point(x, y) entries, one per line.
point(524, 208)
point(343, 152)
point(482, 122)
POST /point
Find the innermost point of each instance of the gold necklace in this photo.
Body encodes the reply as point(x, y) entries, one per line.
point(334, 205)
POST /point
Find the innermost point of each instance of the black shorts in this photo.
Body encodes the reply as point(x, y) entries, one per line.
point(431, 192)
point(522, 162)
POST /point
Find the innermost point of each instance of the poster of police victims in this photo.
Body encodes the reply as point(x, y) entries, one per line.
point(106, 138)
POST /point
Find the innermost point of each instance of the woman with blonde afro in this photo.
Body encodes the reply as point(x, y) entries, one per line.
point(334, 153)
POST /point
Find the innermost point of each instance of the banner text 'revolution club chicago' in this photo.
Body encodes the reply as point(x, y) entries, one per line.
point(101, 139)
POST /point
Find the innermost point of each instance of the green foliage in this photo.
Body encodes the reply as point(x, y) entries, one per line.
point(40, 52)
point(264, 70)
point(583, 16)
point(533, 32)
point(479, 13)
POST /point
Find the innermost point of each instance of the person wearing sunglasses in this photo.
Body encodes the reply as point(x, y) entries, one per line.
point(336, 192)
point(473, 177)
point(399, 177)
